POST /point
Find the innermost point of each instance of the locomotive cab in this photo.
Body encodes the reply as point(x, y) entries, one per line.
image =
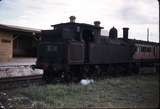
point(50, 49)
point(78, 31)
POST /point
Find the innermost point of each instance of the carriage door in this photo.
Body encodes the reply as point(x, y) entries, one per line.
point(87, 37)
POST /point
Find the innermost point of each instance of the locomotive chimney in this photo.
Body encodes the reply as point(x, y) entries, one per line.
point(72, 19)
point(97, 23)
point(125, 33)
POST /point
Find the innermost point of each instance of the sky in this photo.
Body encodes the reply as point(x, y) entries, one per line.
point(138, 15)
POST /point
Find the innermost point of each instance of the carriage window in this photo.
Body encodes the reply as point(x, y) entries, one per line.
point(148, 49)
point(138, 48)
point(145, 49)
point(154, 50)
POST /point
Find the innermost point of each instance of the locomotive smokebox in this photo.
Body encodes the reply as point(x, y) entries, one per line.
point(125, 33)
point(97, 23)
point(72, 19)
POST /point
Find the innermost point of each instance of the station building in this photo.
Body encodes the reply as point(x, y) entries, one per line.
point(16, 41)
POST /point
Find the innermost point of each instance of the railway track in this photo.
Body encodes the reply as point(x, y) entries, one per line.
point(22, 81)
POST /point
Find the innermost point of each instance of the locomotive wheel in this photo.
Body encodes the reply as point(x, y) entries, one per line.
point(44, 76)
point(86, 71)
point(111, 69)
point(47, 77)
point(157, 68)
point(76, 73)
point(66, 76)
point(98, 72)
point(122, 69)
point(135, 68)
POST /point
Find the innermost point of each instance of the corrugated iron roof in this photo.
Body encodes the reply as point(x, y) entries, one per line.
point(19, 28)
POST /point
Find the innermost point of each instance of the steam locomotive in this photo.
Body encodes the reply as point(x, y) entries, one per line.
point(72, 51)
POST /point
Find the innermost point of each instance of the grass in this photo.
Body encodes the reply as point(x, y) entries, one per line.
point(129, 91)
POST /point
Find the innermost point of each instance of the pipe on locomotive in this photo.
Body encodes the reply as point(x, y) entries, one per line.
point(72, 19)
point(97, 23)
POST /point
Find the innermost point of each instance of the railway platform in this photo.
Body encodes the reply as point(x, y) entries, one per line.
point(19, 62)
point(18, 67)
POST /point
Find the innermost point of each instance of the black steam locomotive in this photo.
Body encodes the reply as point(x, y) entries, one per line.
point(72, 51)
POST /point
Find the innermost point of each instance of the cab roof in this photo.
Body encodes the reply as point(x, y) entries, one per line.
point(77, 24)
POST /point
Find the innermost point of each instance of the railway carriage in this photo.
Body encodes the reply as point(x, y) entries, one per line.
point(147, 53)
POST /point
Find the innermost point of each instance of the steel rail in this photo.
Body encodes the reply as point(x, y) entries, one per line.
point(13, 82)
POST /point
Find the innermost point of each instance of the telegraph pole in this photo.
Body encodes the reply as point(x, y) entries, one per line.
point(147, 34)
point(159, 20)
